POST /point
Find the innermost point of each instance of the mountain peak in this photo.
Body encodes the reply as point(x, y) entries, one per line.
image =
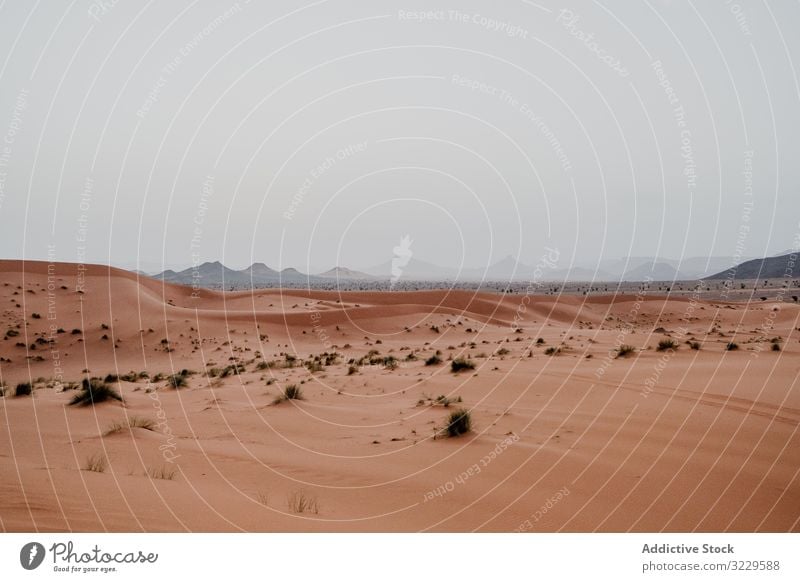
point(339, 272)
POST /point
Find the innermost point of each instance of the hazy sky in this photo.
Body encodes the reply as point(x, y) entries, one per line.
point(314, 134)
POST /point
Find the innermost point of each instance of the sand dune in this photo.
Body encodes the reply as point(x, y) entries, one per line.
point(675, 440)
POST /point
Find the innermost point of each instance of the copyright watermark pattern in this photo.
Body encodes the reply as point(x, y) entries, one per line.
point(397, 267)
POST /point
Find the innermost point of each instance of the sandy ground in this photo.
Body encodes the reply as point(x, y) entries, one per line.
point(580, 440)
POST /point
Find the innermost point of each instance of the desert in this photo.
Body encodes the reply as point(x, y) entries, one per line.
point(133, 404)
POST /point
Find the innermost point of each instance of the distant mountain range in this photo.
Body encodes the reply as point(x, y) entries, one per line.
point(630, 269)
point(345, 273)
point(218, 275)
point(659, 269)
point(783, 266)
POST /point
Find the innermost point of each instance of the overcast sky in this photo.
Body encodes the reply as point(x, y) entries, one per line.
point(309, 135)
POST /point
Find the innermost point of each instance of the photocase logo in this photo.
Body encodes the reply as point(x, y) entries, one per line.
point(402, 255)
point(31, 555)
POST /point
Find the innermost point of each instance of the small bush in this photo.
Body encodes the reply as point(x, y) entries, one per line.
point(233, 369)
point(23, 389)
point(624, 350)
point(134, 376)
point(352, 370)
point(552, 351)
point(96, 463)
point(458, 422)
point(666, 344)
point(776, 347)
point(176, 381)
point(732, 346)
point(314, 366)
point(460, 364)
point(300, 502)
point(94, 391)
point(503, 351)
point(694, 345)
point(434, 360)
point(291, 392)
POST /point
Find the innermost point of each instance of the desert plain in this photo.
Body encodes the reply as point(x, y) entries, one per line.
point(613, 412)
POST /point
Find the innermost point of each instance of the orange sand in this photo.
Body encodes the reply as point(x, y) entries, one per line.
point(703, 440)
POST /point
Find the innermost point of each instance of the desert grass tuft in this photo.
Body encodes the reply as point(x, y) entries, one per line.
point(459, 422)
point(301, 502)
point(434, 360)
point(162, 472)
point(624, 350)
point(132, 422)
point(176, 381)
point(94, 391)
point(460, 364)
point(291, 392)
point(314, 366)
point(666, 344)
point(96, 463)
